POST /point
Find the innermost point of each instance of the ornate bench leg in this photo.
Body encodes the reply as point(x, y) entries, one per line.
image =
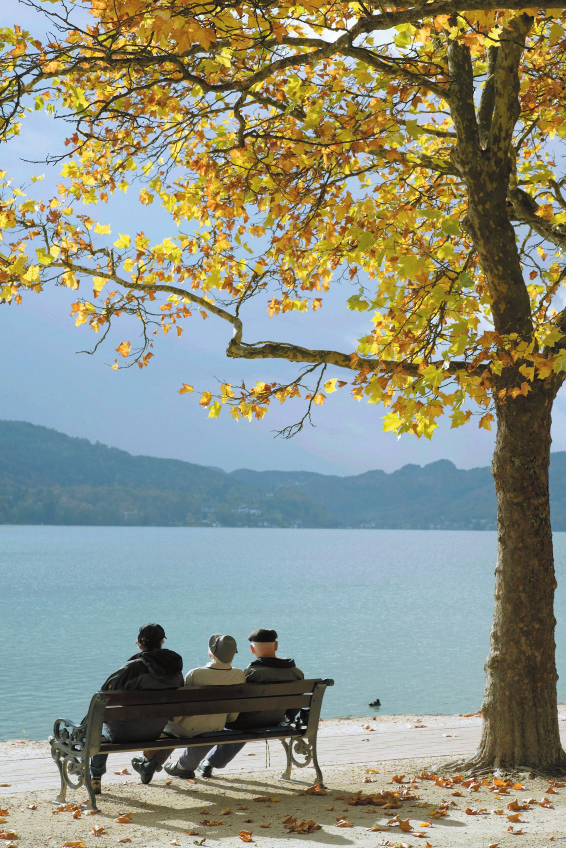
point(287, 743)
point(62, 796)
point(302, 747)
point(90, 790)
point(319, 778)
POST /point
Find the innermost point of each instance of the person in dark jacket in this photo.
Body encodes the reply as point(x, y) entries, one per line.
point(265, 668)
point(155, 667)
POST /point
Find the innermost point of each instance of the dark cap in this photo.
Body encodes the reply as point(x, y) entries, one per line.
point(263, 635)
point(223, 647)
point(151, 633)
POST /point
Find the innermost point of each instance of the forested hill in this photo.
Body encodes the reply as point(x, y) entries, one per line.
point(49, 478)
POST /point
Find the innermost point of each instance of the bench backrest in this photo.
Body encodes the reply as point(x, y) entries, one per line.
point(132, 705)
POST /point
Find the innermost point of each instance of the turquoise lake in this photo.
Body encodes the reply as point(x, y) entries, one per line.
point(402, 616)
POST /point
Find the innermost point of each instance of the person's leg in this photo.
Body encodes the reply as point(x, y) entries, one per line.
point(158, 756)
point(151, 762)
point(98, 765)
point(187, 762)
point(221, 755)
point(191, 757)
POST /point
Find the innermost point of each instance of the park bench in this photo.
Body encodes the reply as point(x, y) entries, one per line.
point(72, 745)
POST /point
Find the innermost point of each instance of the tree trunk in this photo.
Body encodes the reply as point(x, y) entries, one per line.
point(520, 717)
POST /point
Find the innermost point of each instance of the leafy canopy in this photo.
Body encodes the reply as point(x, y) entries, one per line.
point(293, 145)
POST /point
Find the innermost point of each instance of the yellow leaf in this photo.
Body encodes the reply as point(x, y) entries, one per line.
point(185, 388)
point(205, 398)
point(215, 409)
point(103, 229)
point(330, 386)
point(123, 241)
point(485, 421)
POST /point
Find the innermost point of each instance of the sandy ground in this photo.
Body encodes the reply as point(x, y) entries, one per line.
point(396, 804)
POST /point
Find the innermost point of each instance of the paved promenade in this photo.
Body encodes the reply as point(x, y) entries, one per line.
point(36, 772)
point(40, 772)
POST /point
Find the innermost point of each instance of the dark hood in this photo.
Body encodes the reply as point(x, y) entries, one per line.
point(162, 663)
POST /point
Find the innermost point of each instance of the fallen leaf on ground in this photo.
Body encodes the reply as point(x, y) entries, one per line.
point(498, 812)
point(512, 830)
point(4, 812)
point(168, 782)
point(91, 812)
point(516, 807)
point(125, 818)
point(516, 817)
point(293, 826)
point(192, 833)
point(474, 811)
point(124, 771)
point(98, 830)
point(32, 806)
point(544, 803)
point(246, 835)
point(316, 790)
point(266, 825)
point(248, 821)
point(344, 823)
point(8, 834)
point(125, 839)
point(226, 812)
point(77, 814)
point(329, 808)
point(212, 822)
point(74, 845)
point(372, 771)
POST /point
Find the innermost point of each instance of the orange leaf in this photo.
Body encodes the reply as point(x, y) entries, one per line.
point(266, 825)
point(126, 818)
point(185, 388)
point(98, 830)
point(124, 349)
point(516, 817)
point(344, 823)
point(316, 790)
point(246, 835)
point(74, 845)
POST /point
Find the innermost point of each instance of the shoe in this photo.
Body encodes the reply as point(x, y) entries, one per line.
point(205, 769)
point(145, 768)
point(175, 770)
point(96, 783)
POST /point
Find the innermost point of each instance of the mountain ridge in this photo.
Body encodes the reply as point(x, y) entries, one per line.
point(48, 477)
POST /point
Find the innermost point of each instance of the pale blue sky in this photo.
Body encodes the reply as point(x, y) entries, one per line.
point(43, 380)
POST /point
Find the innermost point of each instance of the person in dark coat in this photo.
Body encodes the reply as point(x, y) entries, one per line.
point(266, 667)
point(154, 667)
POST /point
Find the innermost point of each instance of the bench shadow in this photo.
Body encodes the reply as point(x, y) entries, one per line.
point(153, 814)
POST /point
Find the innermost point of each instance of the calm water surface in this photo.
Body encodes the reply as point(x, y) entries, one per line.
point(402, 616)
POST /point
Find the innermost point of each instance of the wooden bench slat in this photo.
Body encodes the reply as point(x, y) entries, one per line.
point(211, 739)
point(134, 712)
point(207, 693)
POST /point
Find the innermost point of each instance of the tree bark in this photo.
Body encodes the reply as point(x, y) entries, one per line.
point(520, 716)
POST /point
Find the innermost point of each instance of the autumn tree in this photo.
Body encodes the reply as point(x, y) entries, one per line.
point(410, 149)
